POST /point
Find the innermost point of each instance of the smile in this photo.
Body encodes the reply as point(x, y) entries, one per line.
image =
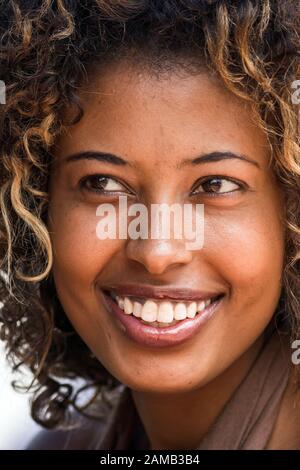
point(159, 317)
point(160, 313)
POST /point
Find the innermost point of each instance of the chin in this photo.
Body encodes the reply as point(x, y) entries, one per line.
point(164, 380)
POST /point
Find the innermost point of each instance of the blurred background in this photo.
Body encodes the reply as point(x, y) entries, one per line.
point(16, 426)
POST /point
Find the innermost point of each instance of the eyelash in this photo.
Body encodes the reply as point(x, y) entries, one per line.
point(241, 186)
point(200, 182)
point(83, 182)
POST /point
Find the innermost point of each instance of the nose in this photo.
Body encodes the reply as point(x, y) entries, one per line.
point(158, 256)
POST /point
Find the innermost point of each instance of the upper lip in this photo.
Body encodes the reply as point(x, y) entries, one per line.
point(155, 292)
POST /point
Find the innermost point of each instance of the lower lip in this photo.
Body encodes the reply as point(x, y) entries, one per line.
point(152, 336)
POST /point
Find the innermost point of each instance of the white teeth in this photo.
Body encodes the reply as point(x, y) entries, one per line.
point(137, 309)
point(149, 311)
point(191, 310)
point(201, 306)
point(161, 312)
point(165, 312)
point(128, 307)
point(180, 311)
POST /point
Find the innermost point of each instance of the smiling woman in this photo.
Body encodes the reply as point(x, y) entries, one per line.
point(185, 102)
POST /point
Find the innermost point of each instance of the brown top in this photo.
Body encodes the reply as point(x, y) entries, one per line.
point(246, 421)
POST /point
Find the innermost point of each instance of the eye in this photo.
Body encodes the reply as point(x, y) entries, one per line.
point(102, 184)
point(215, 185)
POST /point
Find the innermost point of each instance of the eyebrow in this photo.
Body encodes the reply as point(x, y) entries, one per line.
point(217, 157)
point(97, 155)
point(117, 160)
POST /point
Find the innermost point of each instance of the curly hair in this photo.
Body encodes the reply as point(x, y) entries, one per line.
point(47, 48)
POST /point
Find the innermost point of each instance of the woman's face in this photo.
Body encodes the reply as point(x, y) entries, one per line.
point(155, 124)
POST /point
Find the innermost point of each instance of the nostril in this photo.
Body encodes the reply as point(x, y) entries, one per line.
point(158, 256)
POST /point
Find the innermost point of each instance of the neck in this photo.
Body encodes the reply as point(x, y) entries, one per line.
point(180, 421)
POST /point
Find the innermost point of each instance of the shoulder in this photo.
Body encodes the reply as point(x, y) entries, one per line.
point(286, 432)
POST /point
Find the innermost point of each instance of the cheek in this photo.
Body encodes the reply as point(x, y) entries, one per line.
point(79, 256)
point(77, 249)
point(247, 249)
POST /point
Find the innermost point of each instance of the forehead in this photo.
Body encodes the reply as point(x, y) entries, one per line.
point(132, 111)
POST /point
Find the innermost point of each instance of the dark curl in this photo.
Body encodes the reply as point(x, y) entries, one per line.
point(46, 50)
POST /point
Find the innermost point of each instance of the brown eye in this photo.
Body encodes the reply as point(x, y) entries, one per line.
point(102, 184)
point(217, 185)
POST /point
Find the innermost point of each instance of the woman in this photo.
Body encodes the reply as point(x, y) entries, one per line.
point(188, 102)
